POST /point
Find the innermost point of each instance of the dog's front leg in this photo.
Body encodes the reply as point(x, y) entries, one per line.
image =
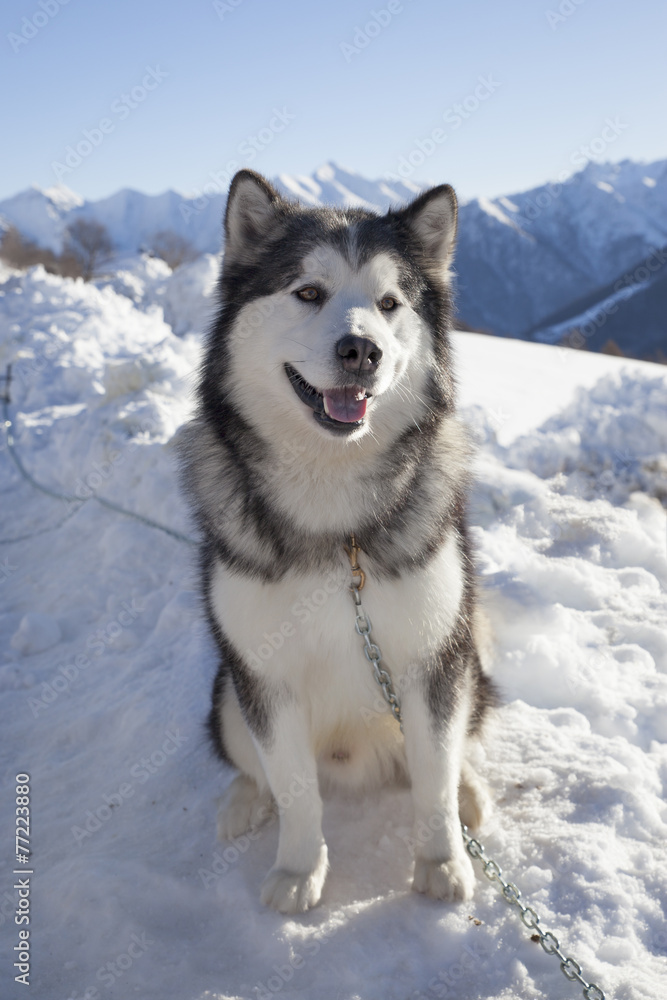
point(295, 882)
point(434, 750)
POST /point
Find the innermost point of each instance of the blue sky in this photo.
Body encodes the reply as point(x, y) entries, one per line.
point(491, 97)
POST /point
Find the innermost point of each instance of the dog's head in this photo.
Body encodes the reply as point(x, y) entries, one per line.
point(334, 322)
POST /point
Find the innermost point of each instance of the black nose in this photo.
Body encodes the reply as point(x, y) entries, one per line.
point(358, 354)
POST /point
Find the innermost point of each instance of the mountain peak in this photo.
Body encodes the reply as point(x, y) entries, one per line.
point(62, 197)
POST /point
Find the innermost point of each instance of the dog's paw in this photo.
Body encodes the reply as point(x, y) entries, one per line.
point(452, 881)
point(475, 804)
point(295, 892)
point(243, 807)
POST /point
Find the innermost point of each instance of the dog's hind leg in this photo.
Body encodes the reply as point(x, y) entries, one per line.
point(243, 807)
point(474, 799)
point(247, 803)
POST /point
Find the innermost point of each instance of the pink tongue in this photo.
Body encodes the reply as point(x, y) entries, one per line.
point(342, 404)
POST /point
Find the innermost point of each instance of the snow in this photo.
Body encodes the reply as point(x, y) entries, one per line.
point(510, 205)
point(188, 305)
point(63, 197)
point(107, 668)
point(334, 185)
point(41, 215)
point(500, 375)
point(35, 633)
point(493, 210)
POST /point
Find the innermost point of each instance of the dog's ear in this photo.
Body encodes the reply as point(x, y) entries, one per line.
point(255, 214)
point(431, 219)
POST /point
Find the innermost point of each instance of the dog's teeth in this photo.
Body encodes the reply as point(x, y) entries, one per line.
point(326, 408)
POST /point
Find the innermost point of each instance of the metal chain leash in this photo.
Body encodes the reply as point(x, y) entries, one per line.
point(492, 870)
point(362, 624)
point(512, 895)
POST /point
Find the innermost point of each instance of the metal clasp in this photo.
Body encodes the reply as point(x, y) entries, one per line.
point(353, 551)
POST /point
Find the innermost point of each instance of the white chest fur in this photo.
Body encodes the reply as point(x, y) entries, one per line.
point(300, 631)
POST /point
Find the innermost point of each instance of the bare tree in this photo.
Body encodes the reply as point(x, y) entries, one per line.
point(88, 243)
point(19, 251)
point(69, 265)
point(172, 248)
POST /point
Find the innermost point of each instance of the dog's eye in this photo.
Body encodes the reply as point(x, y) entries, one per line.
point(309, 294)
point(388, 303)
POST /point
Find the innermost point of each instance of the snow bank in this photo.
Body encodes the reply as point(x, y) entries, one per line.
point(106, 672)
point(141, 278)
point(185, 294)
point(610, 440)
point(189, 305)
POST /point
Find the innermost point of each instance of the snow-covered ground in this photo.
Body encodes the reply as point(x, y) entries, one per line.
point(107, 667)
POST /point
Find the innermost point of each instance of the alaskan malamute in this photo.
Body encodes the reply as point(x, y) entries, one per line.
point(327, 413)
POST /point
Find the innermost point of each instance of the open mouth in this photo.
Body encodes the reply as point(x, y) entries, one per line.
point(342, 409)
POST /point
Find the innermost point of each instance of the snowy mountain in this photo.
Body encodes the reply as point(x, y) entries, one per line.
point(631, 311)
point(42, 215)
point(132, 218)
point(105, 674)
point(520, 259)
point(559, 242)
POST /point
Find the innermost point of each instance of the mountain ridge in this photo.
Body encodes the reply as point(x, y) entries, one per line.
point(521, 258)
